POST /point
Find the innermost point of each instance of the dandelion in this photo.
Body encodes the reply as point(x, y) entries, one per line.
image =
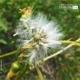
point(43, 33)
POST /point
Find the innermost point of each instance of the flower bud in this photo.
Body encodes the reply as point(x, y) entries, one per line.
point(15, 67)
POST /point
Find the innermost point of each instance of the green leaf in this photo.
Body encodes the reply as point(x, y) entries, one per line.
point(2, 1)
point(3, 24)
point(3, 41)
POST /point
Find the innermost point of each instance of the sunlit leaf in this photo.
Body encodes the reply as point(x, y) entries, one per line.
point(3, 41)
point(2, 1)
point(3, 24)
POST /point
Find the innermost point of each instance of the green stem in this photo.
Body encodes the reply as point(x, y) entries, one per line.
point(33, 6)
point(59, 52)
point(10, 53)
point(39, 73)
point(22, 72)
point(25, 24)
point(70, 42)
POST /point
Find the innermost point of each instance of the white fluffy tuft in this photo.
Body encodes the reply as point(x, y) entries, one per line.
point(49, 36)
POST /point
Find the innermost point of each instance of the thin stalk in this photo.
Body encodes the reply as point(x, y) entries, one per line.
point(39, 73)
point(25, 24)
point(22, 72)
point(59, 52)
point(10, 53)
point(71, 42)
point(33, 6)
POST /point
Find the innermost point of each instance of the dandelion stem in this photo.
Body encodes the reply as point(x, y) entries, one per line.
point(10, 53)
point(39, 73)
point(34, 4)
point(22, 72)
point(26, 26)
point(59, 52)
point(71, 42)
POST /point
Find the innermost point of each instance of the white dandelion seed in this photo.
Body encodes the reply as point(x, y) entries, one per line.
point(45, 33)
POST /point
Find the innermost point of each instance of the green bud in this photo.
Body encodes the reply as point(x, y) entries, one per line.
point(15, 67)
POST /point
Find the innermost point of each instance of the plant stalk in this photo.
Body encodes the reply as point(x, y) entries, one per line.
point(10, 53)
point(39, 73)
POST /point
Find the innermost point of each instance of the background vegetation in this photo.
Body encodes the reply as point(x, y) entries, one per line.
point(63, 67)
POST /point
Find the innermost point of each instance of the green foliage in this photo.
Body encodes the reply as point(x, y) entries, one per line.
point(2, 25)
point(3, 41)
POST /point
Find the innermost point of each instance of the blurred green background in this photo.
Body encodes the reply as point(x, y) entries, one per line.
point(63, 67)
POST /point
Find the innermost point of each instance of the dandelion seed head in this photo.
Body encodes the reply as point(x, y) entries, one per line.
point(45, 33)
